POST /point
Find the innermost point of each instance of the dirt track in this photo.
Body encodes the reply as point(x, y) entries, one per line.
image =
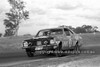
point(91, 62)
point(20, 58)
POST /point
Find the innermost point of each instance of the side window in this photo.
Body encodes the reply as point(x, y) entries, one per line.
point(43, 33)
point(40, 33)
point(67, 32)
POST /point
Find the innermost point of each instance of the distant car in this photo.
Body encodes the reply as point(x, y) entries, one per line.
point(54, 39)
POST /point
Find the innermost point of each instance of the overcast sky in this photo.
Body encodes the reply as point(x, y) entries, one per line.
point(52, 13)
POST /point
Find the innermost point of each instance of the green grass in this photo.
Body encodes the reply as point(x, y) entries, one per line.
point(91, 39)
point(11, 44)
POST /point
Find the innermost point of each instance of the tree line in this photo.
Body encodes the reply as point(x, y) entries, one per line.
point(84, 29)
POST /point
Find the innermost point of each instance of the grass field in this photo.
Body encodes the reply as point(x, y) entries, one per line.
point(13, 44)
point(90, 39)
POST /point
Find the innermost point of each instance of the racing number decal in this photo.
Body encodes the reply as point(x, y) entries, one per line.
point(70, 42)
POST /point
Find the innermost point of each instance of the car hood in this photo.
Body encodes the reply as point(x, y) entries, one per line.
point(43, 37)
point(40, 37)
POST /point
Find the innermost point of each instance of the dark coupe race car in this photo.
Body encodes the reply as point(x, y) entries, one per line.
point(54, 39)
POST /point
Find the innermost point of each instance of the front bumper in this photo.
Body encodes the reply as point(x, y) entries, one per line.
point(42, 47)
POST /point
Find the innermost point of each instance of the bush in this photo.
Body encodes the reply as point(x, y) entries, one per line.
point(27, 35)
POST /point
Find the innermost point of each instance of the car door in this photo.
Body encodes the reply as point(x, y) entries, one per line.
point(67, 39)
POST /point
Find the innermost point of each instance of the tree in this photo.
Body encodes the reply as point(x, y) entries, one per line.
point(95, 29)
point(88, 28)
point(83, 28)
point(79, 30)
point(14, 17)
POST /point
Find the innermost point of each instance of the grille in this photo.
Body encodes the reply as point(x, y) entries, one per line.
point(39, 43)
point(46, 42)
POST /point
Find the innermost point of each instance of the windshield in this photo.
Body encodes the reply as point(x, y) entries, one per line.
point(50, 32)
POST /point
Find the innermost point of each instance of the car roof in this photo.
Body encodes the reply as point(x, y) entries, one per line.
point(55, 28)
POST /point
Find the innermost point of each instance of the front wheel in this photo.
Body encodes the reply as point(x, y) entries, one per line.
point(58, 50)
point(29, 53)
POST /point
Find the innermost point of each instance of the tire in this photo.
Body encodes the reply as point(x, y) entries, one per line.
point(29, 53)
point(58, 50)
point(77, 48)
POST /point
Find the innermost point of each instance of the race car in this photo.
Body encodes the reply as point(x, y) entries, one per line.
point(53, 39)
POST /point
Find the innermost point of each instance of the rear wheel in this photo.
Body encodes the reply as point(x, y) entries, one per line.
point(77, 48)
point(29, 53)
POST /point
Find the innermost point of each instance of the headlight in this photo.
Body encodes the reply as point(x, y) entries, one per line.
point(52, 42)
point(25, 44)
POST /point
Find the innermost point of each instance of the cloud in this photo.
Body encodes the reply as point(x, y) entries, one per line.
point(34, 24)
point(58, 18)
point(26, 25)
point(94, 4)
point(38, 11)
point(52, 13)
point(97, 18)
point(1, 11)
point(67, 7)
